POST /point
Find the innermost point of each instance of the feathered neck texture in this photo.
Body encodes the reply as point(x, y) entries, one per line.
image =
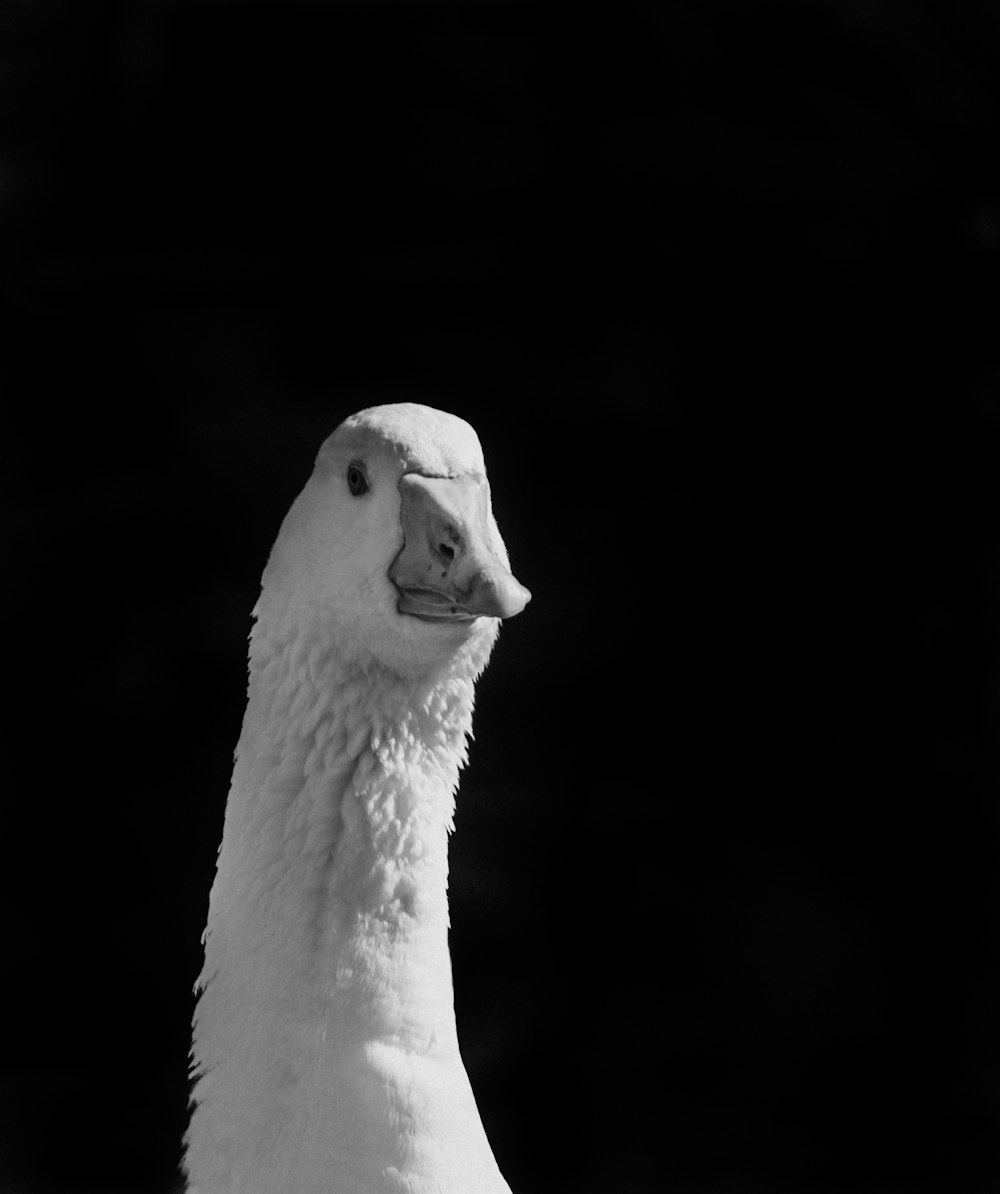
point(325, 1046)
point(364, 762)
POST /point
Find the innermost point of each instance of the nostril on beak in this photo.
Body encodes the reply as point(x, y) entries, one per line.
point(444, 540)
point(442, 546)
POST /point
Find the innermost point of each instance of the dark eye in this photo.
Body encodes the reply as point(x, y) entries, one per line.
point(357, 482)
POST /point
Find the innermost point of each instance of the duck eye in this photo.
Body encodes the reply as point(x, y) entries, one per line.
point(357, 482)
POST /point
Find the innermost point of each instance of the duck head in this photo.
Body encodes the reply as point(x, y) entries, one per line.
point(392, 545)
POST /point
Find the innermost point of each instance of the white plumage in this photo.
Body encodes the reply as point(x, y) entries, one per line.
point(325, 1049)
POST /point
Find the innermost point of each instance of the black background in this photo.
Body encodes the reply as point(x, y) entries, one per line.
point(717, 283)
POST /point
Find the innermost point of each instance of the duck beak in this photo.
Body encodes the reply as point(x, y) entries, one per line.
point(452, 566)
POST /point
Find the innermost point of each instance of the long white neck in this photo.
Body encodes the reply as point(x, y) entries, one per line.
point(325, 1039)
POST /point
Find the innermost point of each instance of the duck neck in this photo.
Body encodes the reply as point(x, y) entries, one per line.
point(381, 942)
point(330, 902)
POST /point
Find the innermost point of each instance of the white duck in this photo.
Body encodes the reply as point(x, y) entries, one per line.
point(325, 1048)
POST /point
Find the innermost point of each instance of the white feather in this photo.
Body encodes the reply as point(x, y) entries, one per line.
point(325, 1049)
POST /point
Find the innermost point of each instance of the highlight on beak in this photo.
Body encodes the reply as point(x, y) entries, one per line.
point(449, 568)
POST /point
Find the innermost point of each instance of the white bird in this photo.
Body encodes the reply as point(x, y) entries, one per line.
point(325, 1049)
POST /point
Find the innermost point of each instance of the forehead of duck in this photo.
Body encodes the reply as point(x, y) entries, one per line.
point(419, 438)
